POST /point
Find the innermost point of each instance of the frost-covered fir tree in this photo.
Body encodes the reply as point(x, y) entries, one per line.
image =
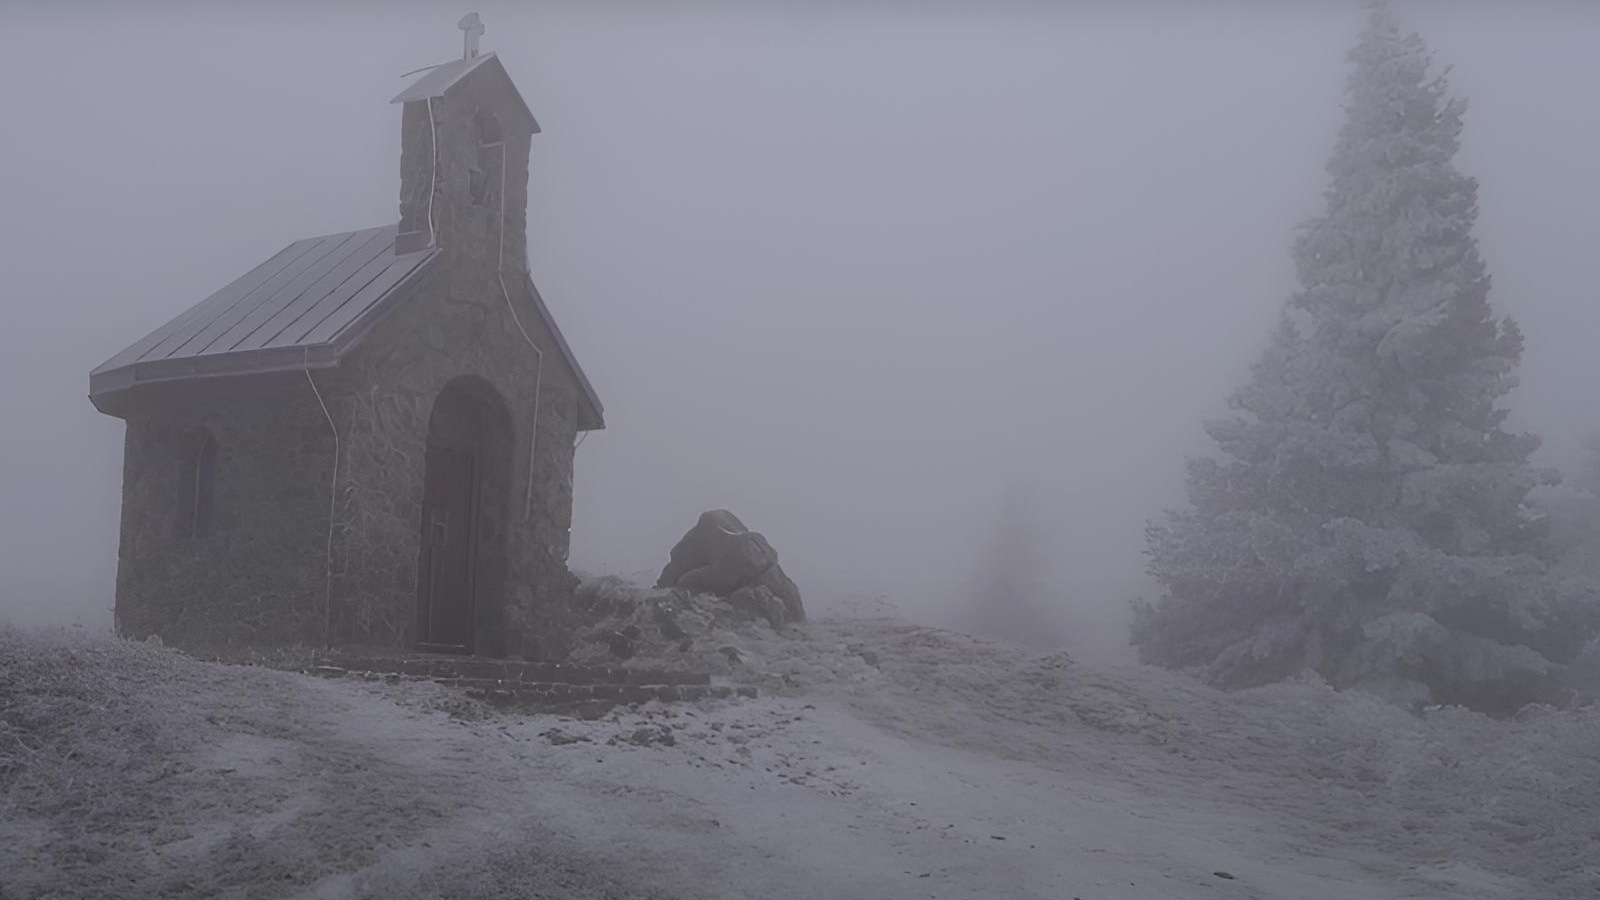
point(1367, 515)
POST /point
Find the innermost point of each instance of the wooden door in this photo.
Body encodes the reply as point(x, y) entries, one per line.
point(445, 620)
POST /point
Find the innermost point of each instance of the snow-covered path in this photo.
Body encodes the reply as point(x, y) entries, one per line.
point(892, 762)
point(830, 806)
point(791, 799)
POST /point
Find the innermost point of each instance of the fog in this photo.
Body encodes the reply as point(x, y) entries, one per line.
point(857, 272)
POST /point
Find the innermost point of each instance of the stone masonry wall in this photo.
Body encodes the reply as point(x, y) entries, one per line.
point(454, 325)
point(258, 575)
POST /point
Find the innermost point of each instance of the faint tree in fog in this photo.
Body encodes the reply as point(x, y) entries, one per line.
point(1009, 594)
point(1368, 515)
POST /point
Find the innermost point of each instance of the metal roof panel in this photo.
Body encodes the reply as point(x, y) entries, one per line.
point(287, 282)
point(161, 342)
point(246, 333)
point(310, 300)
point(337, 304)
point(370, 295)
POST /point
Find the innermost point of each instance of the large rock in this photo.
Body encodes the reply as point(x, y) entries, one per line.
point(720, 556)
point(700, 545)
point(761, 601)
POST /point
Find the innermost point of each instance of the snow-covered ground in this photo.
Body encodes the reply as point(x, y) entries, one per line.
point(886, 761)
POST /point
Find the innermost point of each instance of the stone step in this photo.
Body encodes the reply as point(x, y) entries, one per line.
point(587, 700)
point(519, 693)
point(506, 670)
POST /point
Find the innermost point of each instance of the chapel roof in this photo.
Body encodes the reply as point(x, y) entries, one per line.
point(307, 306)
point(303, 307)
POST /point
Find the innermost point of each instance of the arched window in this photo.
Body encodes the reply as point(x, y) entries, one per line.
point(486, 127)
point(483, 180)
point(197, 484)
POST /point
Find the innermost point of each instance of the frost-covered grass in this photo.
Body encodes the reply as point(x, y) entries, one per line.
point(129, 770)
point(98, 739)
point(87, 726)
point(1519, 798)
point(1512, 797)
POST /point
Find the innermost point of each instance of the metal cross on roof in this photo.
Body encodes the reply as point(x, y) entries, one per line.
point(471, 26)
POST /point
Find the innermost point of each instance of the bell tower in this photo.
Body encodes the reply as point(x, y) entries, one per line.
point(465, 133)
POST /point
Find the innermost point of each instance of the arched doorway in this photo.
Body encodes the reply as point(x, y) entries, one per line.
point(461, 561)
